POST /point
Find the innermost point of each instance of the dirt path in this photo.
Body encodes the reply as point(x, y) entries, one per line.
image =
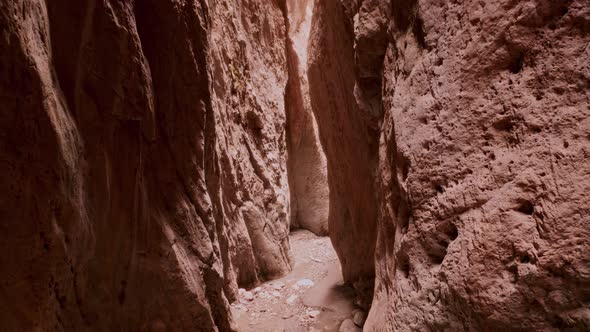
point(310, 298)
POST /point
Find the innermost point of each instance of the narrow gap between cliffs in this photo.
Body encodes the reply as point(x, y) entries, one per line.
point(313, 296)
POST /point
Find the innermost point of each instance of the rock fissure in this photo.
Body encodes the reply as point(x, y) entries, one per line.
point(162, 160)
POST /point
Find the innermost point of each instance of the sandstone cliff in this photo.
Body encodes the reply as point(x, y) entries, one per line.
point(306, 160)
point(344, 96)
point(143, 167)
point(155, 154)
point(482, 168)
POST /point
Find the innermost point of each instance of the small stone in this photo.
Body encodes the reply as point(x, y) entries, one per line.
point(278, 285)
point(305, 283)
point(257, 290)
point(359, 318)
point(291, 299)
point(349, 326)
point(249, 296)
point(241, 292)
point(276, 294)
point(314, 313)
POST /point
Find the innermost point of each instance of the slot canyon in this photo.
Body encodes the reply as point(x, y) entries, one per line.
point(294, 165)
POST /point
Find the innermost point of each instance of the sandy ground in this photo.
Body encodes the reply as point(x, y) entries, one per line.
point(310, 298)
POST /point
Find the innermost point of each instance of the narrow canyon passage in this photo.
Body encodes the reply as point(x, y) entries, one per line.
point(312, 297)
point(296, 165)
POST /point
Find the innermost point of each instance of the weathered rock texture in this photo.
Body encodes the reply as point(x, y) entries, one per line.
point(143, 153)
point(306, 163)
point(143, 161)
point(346, 101)
point(482, 174)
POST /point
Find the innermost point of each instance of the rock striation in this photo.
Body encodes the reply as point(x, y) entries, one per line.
point(143, 153)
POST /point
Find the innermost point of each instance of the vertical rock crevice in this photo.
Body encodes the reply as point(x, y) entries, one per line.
point(306, 162)
point(155, 155)
point(347, 45)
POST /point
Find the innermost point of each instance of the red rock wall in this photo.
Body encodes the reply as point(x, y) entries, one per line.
point(482, 168)
point(143, 155)
point(345, 80)
point(308, 179)
point(144, 165)
point(487, 121)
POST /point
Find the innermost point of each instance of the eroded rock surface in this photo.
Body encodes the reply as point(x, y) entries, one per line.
point(145, 171)
point(482, 161)
point(345, 98)
point(143, 161)
point(308, 177)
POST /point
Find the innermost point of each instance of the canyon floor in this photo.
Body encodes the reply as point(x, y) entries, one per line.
point(310, 298)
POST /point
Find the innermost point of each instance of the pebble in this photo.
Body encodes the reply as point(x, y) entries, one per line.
point(276, 294)
point(249, 296)
point(314, 313)
point(257, 290)
point(291, 299)
point(278, 285)
point(359, 318)
point(349, 326)
point(305, 283)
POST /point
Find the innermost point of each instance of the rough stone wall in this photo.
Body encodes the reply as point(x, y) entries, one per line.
point(249, 70)
point(482, 168)
point(307, 163)
point(143, 161)
point(143, 153)
point(342, 95)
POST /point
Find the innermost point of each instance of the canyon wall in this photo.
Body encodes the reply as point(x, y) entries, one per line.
point(143, 161)
point(345, 89)
point(154, 155)
point(482, 169)
point(308, 178)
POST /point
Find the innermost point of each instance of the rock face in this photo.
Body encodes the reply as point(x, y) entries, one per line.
point(308, 177)
point(345, 99)
point(482, 168)
point(152, 152)
point(143, 161)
